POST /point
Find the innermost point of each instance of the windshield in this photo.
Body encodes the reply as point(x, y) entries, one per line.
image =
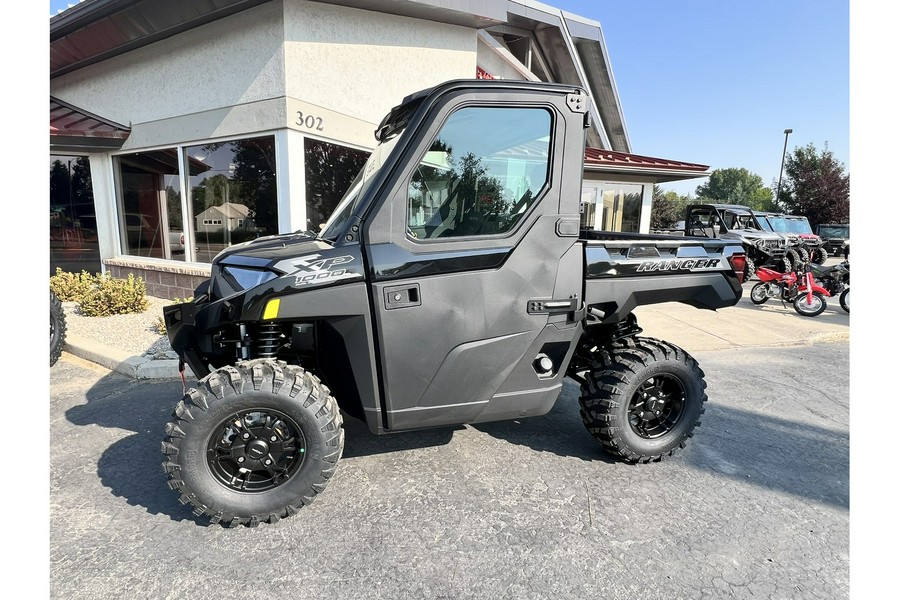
point(764, 223)
point(834, 231)
point(348, 204)
point(796, 225)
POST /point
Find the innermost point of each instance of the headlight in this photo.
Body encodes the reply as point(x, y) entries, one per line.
point(245, 278)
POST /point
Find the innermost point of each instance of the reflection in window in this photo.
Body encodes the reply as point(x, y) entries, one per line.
point(330, 169)
point(73, 220)
point(150, 204)
point(612, 206)
point(233, 193)
point(481, 174)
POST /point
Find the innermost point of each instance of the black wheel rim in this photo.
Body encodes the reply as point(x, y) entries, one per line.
point(656, 406)
point(256, 450)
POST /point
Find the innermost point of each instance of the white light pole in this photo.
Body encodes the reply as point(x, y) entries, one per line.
point(787, 132)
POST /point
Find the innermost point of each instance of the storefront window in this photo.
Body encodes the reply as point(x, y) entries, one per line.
point(233, 193)
point(611, 206)
point(73, 222)
point(151, 204)
point(330, 169)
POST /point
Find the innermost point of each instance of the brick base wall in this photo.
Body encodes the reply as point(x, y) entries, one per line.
point(163, 280)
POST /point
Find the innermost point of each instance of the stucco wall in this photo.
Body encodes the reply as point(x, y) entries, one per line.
point(363, 63)
point(232, 61)
point(496, 65)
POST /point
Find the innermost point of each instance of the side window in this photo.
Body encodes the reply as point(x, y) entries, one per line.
point(481, 174)
point(730, 219)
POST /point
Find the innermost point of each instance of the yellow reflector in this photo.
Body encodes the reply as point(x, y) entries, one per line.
point(271, 311)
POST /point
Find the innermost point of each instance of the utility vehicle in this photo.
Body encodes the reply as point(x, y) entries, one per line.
point(451, 285)
point(803, 245)
point(737, 223)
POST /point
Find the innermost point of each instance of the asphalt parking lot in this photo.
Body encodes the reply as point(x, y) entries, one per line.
point(757, 506)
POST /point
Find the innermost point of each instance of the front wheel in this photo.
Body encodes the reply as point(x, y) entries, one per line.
point(810, 309)
point(844, 299)
point(760, 293)
point(642, 398)
point(253, 443)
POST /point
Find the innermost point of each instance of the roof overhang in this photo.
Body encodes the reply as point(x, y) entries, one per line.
point(659, 170)
point(95, 30)
point(572, 46)
point(75, 130)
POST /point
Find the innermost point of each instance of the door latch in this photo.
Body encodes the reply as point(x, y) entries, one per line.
point(402, 296)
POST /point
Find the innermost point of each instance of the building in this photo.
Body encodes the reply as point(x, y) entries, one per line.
point(162, 113)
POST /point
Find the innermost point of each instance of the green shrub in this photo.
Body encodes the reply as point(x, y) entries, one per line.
point(72, 287)
point(112, 296)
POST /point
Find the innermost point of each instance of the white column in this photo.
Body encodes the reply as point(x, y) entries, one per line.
point(104, 188)
point(646, 207)
point(290, 167)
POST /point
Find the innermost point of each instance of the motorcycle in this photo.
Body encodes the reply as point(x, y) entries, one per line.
point(836, 280)
point(797, 287)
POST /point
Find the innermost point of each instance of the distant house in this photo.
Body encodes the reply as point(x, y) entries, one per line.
point(230, 215)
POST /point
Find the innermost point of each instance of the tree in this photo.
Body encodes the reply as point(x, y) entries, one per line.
point(330, 169)
point(737, 186)
point(816, 186)
point(667, 208)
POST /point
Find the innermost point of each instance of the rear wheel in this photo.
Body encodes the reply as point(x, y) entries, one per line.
point(253, 443)
point(844, 299)
point(819, 255)
point(57, 328)
point(642, 398)
point(810, 308)
point(760, 293)
point(750, 267)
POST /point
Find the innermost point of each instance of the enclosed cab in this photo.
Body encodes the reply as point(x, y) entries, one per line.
point(834, 235)
point(451, 285)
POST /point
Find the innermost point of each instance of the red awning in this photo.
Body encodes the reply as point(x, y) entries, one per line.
point(72, 128)
point(598, 157)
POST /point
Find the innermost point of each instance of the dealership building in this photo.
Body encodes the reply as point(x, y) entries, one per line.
point(180, 127)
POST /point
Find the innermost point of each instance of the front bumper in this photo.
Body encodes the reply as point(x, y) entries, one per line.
point(186, 326)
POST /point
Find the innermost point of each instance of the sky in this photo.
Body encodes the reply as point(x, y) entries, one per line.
point(717, 82)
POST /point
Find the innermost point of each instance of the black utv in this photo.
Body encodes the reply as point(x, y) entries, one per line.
point(451, 285)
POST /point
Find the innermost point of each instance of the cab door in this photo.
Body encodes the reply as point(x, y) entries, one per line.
point(470, 252)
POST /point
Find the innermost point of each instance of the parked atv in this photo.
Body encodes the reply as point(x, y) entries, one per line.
point(802, 244)
point(57, 328)
point(834, 235)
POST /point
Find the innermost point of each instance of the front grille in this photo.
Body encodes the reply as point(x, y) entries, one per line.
point(770, 244)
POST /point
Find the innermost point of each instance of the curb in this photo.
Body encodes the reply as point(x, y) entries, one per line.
point(136, 367)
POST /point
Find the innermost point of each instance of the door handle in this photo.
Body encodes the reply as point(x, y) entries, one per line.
point(402, 296)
